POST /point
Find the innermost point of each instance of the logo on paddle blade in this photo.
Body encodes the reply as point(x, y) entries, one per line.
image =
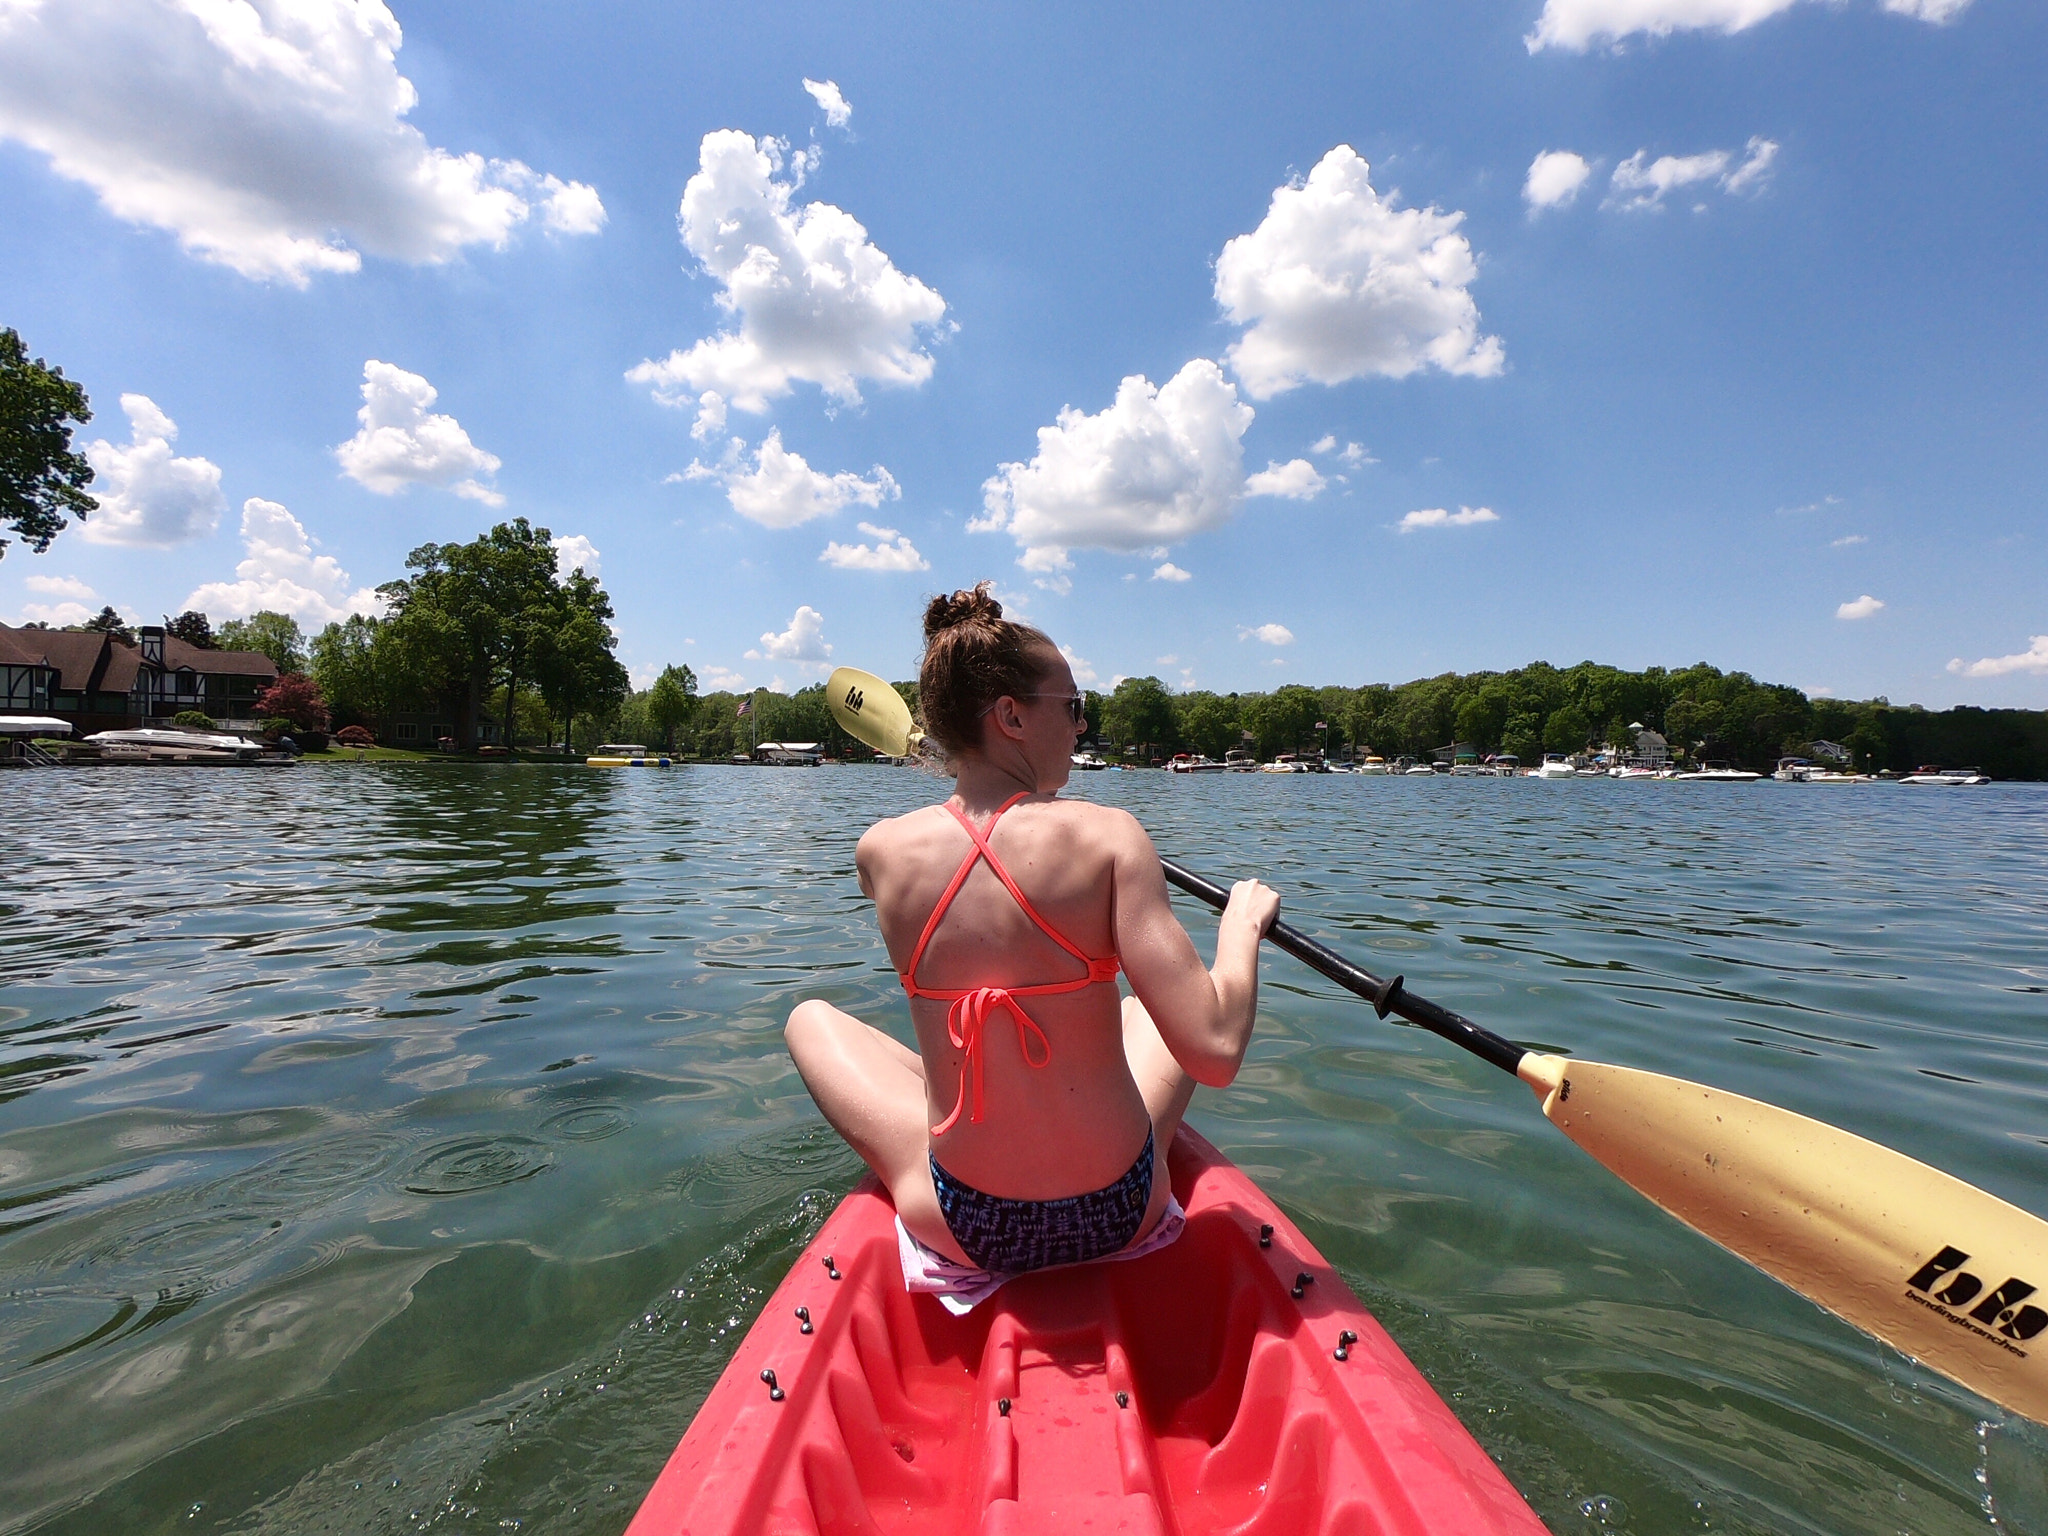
point(1945, 1286)
point(855, 698)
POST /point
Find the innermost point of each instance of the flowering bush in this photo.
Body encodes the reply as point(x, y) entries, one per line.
point(355, 736)
point(296, 697)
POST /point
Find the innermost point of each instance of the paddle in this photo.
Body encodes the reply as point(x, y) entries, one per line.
point(1934, 1267)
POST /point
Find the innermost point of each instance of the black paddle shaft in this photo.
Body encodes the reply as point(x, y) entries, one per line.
point(1385, 996)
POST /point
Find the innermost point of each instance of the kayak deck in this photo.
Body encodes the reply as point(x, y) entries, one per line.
point(1196, 1390)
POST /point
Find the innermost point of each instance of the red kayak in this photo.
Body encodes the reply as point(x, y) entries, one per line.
point(1227, 1383)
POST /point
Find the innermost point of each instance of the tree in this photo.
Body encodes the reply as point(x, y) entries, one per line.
point(108, 622)
point(1140, 713)
point(1208, 722)
point(1567, 729)
point(295, 697)
point(573, 660)
point(671, 702)
point(193, 628)
point(275, 634)
point(41, 479)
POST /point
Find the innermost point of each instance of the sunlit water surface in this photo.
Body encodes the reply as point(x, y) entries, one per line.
point(394, 1148)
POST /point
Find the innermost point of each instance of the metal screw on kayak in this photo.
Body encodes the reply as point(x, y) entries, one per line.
point(1265, 1234)
point(775, 1393)
point(1344, 1342)
point(831, 1268)
point(1003, 1406)
point(1302, 1282)
point(1123, 1399)
point(803, 1315)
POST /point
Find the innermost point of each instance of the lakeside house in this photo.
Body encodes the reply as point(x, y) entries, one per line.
point(100, 683)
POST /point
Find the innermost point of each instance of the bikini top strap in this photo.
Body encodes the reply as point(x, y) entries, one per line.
point(981, 843)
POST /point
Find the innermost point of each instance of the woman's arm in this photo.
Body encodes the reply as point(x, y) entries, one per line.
point(1204, 1016)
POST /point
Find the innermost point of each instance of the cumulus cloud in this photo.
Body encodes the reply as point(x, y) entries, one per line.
point(831, 101)
point(1296, 480)
point(402, 443)
point(1084, 673)
point(1171, 572)
point(1640, 182)
point(1847, 540)
point(1155, 466)
point(148, 496)
point(1582, 24)
point(721, 680)
point(1555, 179)
point(816, 301)
point(1268, 634)
point(781, 490)
point(74, 607)
point(281, 572)
point(2033, 659)
point(803, 642)
point(1440, 517)
point(268, 136)
point(1337, 283)
point(1862, 608)
point(1327, 443)
point(891, 551)
point(574, 552)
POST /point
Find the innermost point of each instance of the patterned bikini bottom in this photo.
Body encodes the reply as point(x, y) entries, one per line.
point(1011, 1236)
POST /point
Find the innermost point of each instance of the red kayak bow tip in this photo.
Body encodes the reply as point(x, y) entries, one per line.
point(1224, 1384)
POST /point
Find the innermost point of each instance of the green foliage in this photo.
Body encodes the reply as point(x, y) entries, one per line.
point(277, 725)
point(41, 479)
point(296, 698)
point(572, 653)
point(1140, 714)
point(275, 634)
point(193, 628)
point(364, 672)
point(198, 719)
point(108, 622)
point(671, 703)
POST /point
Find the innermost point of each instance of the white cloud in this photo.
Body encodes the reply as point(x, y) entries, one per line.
point(1862, 608)
point(147, 495)
point(1154, 467)
point(282, 573)
point(803, 642)
point(1640, 182)
point(56, 615)
point(61, 586)
point(574, 552)
point(831, 101)
point(268, 136)
point(75, 609)
point(1324, 444)
point(2033, 659)
point(781, 490)
point(1296, 480)
point(891, 551)
point(817, 302)
point(1336, 283)
point(1356, 454)
point(1171, 572)
point(1440, 517)
point(1084, 673)
point(721, 680)
point(1581, 24)
point(1847, 540)
point(1268, 634)
point(402, 443)
point(1555, 178)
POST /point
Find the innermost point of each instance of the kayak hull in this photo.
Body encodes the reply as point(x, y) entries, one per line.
point(1185, 1393)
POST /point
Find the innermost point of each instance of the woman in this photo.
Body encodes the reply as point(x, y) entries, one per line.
point(1030, 1126)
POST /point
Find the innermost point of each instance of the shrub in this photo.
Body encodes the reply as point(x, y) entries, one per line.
point(277, 725)
point(355, 736)
point(198, 719)
point(297, 697)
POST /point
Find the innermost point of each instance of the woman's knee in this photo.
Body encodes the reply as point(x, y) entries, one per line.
point(810, 1026)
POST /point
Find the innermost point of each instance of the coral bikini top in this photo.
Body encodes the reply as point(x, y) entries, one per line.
point(968, 1017)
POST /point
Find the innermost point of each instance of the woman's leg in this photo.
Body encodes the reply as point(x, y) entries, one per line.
point(1166, 1088)
point(871, 1088)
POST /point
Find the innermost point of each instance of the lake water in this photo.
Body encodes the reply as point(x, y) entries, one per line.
point(389, 1148)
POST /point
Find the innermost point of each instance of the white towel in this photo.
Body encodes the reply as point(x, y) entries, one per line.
point(961, 1287)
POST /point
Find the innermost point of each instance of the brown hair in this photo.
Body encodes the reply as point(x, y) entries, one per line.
point(972, 657)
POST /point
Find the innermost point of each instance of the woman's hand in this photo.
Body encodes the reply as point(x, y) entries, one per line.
point(1253, 902)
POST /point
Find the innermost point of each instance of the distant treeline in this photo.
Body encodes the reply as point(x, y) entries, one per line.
point(1706, 714)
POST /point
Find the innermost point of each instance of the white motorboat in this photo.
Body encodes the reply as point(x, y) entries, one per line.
point(1372, 765)
point(1631, 771)
point(1195, 762)
point(1800, 770)
point(1238, 760)
point(1928, 774)
point(1087, 762)
point(1555, 765)
point(161, 744)
point(1719, 773)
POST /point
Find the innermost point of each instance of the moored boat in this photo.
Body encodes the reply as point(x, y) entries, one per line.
point(162, 744)
point(1087, 762)
point(1228, 1382)
point(625, 754)
point(1373, 765)
point(1195, 762)
point(1929, 774)
point(1555, 765)
point(1718, 773)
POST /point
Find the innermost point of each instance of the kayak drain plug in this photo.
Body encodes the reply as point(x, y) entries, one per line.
point(1344, 1342)
point(803, 1315)
point(1265, 1234)
point(1003, 1406)
point(775, 1393)
point(1123, 1399)
point(1302, 1282)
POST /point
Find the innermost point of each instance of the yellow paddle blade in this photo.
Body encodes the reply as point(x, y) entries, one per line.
point(869, 710)
point(1934, 1267)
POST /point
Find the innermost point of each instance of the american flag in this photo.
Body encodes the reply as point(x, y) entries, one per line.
point(746, 708)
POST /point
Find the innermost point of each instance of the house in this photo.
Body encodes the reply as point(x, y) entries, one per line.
point(1829, 752)
point(1652, 750)
point(100, 683)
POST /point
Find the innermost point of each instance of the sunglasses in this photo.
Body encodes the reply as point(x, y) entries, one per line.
point(1077, 706)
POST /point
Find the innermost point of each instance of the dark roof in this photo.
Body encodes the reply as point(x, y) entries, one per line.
point(75, 653)
point(17, 648)
point(178, 655)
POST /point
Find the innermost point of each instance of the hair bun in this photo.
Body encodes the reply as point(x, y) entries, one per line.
point(963, 607)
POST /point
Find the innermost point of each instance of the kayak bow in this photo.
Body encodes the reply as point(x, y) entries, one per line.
point(1228, 1383)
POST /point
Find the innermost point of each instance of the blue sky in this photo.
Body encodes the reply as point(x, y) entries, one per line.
point(1091, 301)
